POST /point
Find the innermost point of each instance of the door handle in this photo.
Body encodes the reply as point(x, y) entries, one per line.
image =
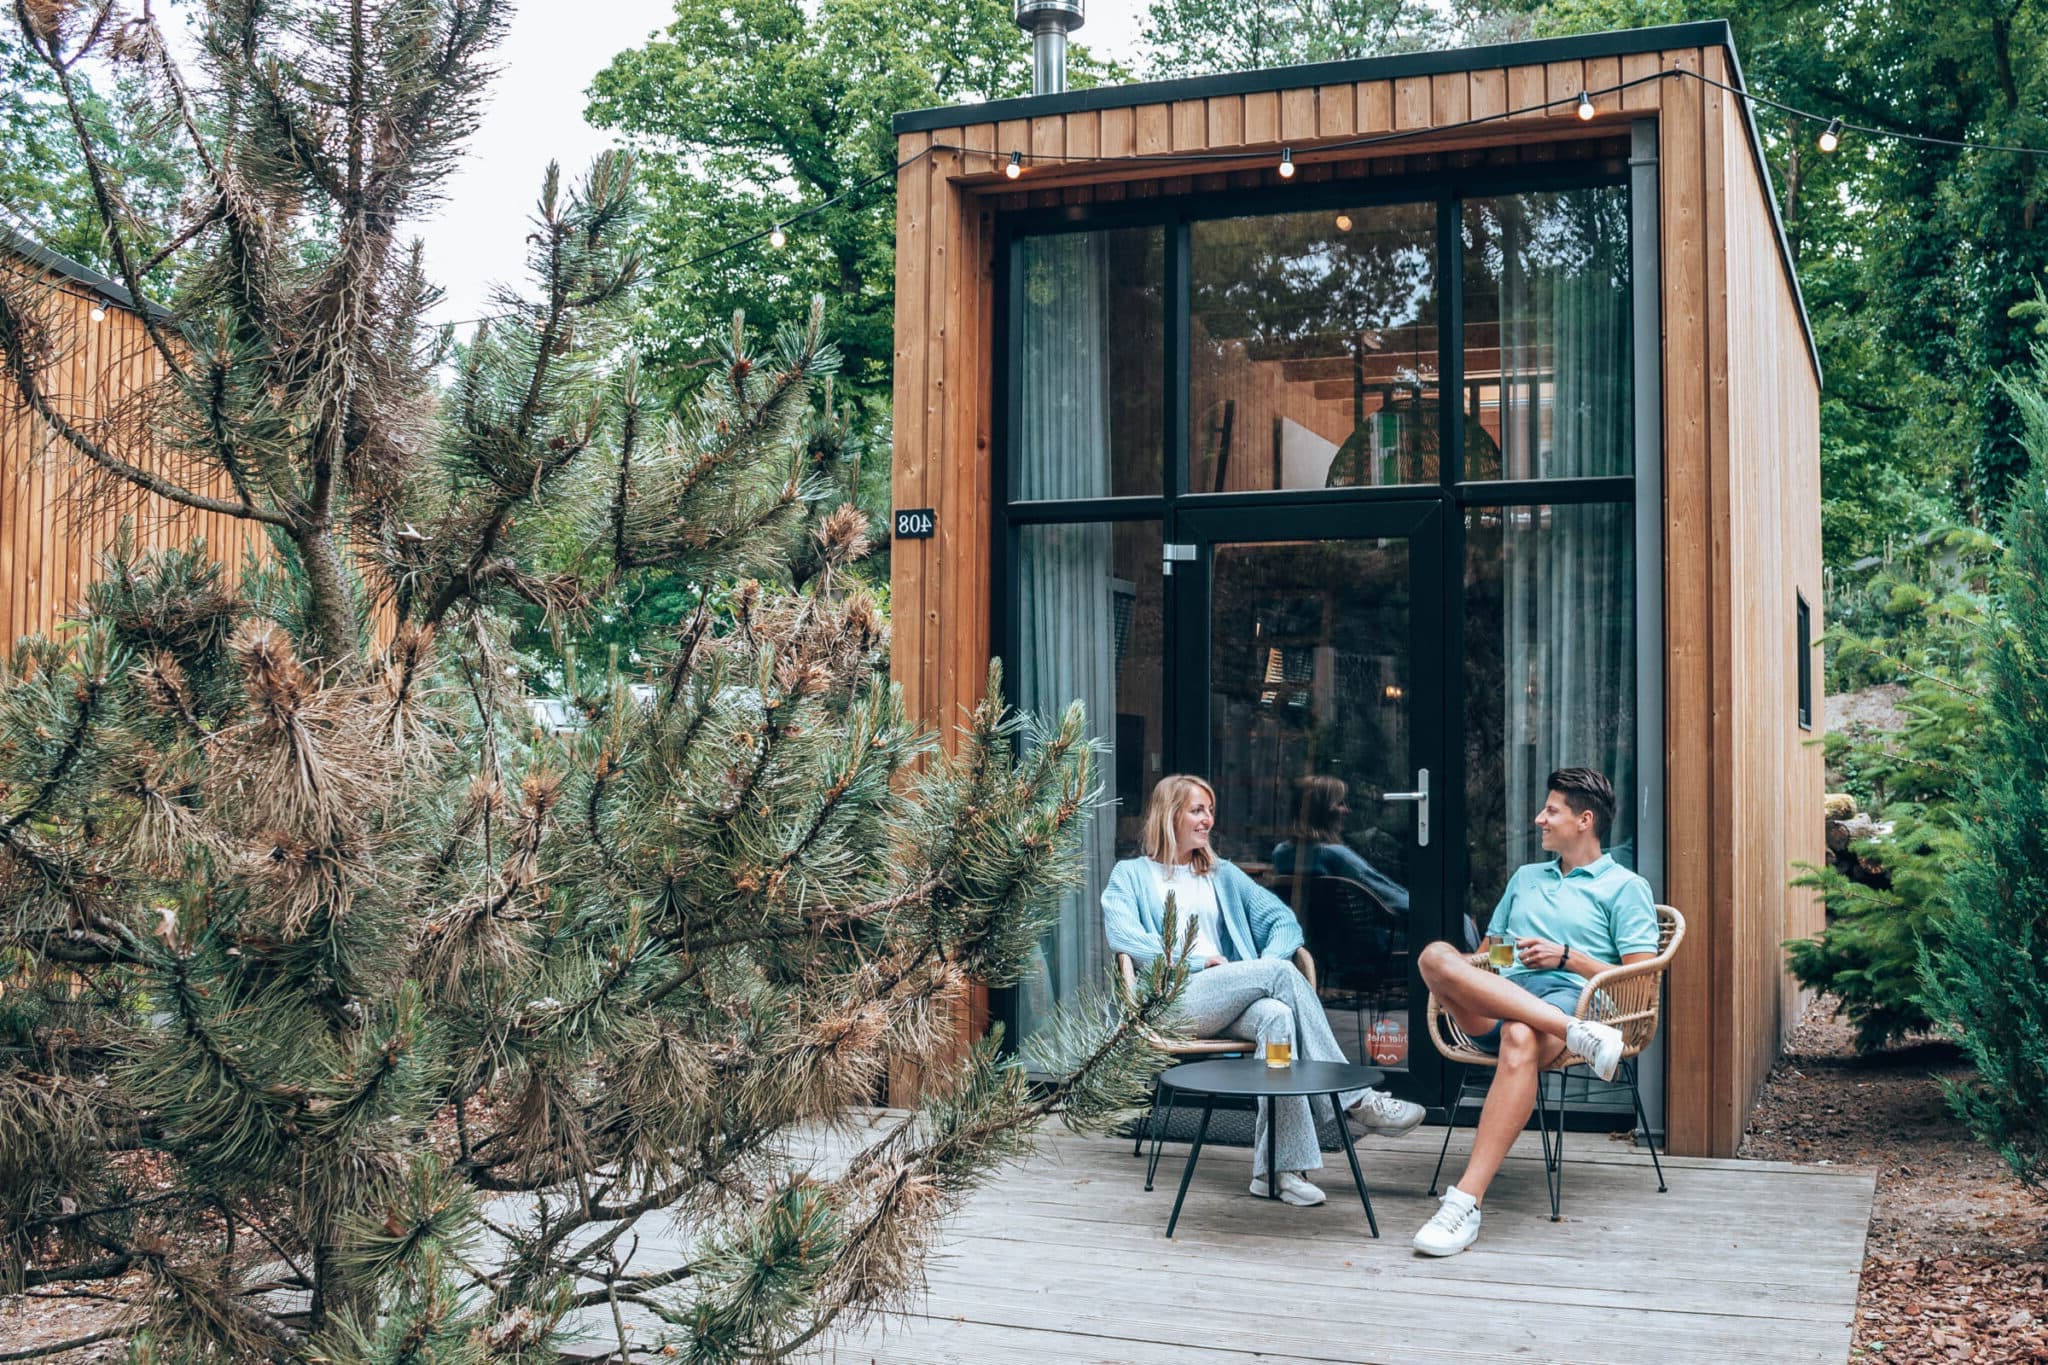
point(1420, 796)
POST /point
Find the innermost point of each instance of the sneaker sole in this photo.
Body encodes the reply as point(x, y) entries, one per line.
point(1370, 1129)
point(1286, 1198)
point(1446, 1251)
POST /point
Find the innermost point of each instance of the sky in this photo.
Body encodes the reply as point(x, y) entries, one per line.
point(476, 235)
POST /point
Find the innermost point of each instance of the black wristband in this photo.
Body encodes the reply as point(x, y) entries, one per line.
point(1564, 956)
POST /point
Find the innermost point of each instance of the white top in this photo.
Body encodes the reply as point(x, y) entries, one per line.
point(1194, 900)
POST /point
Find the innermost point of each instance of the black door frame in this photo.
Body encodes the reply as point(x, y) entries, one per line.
point(1173, 505)
point(1424, 523)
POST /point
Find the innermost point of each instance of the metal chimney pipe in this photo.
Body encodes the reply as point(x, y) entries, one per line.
point(1048, 22)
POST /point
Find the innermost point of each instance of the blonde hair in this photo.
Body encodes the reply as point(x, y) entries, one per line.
point(1169, 800)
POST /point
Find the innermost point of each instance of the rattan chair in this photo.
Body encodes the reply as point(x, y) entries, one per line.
point(1187, 1049)
point(1629, 997)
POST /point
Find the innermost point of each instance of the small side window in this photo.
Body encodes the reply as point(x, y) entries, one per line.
point(1805, 663)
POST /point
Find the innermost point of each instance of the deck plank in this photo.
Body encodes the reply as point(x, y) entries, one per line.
point(1064, 1258)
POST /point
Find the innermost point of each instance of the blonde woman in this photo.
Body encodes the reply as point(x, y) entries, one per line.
point(1242, 982)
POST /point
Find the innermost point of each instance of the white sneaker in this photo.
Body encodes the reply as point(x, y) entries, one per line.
point(1295, 1190)
point(1380, 1112)
point(1599, 1044)
point(1455, 1226)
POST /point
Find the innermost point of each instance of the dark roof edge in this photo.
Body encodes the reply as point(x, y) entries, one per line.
point(111, 290)
point(1770, 188)
point(1614, 43)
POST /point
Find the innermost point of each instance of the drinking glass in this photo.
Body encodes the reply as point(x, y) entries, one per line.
point(1501, 955)
point(1279, 1054)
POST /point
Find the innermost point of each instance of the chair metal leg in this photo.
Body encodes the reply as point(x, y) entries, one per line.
point(1194, 1155)
point(1643, 1118)
point(1159, 1134)
point(1464, 1079)
point(1357, 1175)
point(1144, 1125)
point(1553, 1141)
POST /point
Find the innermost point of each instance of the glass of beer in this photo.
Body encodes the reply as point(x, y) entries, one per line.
point(1279, 1053)
point(1501, 954)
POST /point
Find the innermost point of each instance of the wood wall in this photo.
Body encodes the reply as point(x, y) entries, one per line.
point(1741, 470)
point(51, 539)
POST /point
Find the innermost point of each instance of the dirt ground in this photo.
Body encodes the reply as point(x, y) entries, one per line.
point(1958, 1254)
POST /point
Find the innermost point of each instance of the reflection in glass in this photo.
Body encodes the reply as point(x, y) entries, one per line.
point(1313, 360)
point(1309, 715)
point(1091, 327)
point(1550, 675)
point(1548, 378)
point(1092, 631)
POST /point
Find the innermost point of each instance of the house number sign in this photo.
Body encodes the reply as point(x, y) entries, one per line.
point(915, 523)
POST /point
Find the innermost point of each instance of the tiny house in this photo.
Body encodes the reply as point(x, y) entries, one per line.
point(1424, 423)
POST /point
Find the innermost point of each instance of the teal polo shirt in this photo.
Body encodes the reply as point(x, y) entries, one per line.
point(1602, 910)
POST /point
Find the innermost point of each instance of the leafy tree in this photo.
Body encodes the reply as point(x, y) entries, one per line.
point(1198, 37)
point(316, 948)
point(745, 114)
point(1985, 971)
point(43, 182)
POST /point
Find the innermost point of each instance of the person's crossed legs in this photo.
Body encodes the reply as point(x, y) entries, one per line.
point(1532, 1032)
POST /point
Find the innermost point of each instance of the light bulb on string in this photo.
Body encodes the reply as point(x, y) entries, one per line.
point(1343, 222)
point(1016, 166)
point(1831, 136)
point(1287, 163)
point(777, 237)
point(99, 310)
point(1585, 107)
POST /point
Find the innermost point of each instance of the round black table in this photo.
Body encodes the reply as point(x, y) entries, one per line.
point(1250, 1078)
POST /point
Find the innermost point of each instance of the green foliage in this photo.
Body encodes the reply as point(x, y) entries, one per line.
point(1197, 37)
point(1985, 971)
point(1921, 621)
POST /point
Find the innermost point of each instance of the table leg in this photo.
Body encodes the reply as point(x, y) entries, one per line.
point(1159, 1134)
point(1194, 1154)
point(1357, 1175)
point(1272, 1147)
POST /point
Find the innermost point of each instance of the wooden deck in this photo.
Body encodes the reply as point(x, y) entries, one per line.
point(1064, 1260)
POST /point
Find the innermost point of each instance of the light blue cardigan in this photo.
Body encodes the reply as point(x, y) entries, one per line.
point(1256, 923)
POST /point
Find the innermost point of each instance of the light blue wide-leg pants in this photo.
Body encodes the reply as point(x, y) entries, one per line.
point(1267, 1000)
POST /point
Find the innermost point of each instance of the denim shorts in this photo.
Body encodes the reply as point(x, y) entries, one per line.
point(1558, 993)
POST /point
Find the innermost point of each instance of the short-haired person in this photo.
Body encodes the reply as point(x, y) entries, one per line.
point(1242, 982)
point(1570, 918)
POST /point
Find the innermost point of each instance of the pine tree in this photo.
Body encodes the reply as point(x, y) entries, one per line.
point(364, 1018)
point(1985, 973)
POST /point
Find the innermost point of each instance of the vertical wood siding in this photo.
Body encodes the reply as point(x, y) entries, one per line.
point(52, 540)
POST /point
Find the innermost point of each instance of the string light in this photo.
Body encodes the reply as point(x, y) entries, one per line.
point(99, 310)
point(1830, 140)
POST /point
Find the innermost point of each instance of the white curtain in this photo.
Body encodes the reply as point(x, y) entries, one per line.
point(1568, 570)
point(1066, 573)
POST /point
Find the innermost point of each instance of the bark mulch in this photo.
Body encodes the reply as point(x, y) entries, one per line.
point(1957, 1258)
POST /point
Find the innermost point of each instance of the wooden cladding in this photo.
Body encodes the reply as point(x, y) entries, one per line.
point(1740, 435)
point(52, 538)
